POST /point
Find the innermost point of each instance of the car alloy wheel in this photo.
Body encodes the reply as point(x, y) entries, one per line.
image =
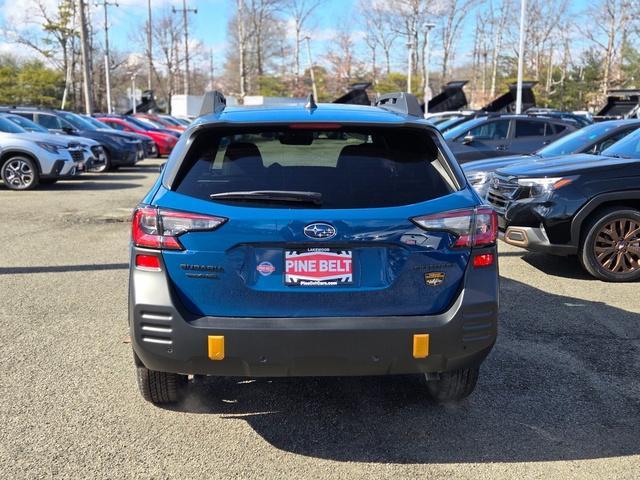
point(18, 173)
point(617, 245)
point(104, 166)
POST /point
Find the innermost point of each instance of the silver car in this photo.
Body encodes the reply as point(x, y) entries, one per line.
point(85, 150)
point(28, 159)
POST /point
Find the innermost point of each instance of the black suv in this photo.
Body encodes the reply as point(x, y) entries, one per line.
point(500, 135)
point(585, 205)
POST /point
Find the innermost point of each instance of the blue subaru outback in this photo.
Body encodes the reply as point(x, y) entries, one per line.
point(312, 240)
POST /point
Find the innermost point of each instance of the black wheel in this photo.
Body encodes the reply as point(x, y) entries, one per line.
point(160, 387)
point(610, 248)
point(20, 173)
point(453, 386)
point(48, 181)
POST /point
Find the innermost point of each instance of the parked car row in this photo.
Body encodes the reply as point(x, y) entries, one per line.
point(39, 146)
point(577, 196)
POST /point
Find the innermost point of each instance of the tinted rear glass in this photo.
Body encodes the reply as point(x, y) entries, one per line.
point(356, 168)
point(529, 128)
point(577, 141)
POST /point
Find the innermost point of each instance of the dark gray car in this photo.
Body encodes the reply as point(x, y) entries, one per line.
point(501, 135)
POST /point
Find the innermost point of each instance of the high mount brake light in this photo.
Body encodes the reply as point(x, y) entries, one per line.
point(160, 228)
point(472, 227)
point(315, 126)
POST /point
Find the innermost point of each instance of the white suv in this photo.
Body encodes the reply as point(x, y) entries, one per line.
point(27, 159)
point(81, 148)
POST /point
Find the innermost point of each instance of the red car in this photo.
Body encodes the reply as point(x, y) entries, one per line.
point(161, 122)
point(164, 141)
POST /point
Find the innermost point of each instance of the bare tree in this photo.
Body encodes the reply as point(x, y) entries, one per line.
point(378, 28)
point(299, 12)
point(341, 58)
point(455, 12)
point(261, 14)
point(167, 34)
point(498, 25)
point(51, 32)
point(614, 18)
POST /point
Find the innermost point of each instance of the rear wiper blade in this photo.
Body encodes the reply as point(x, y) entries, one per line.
point(271, 195)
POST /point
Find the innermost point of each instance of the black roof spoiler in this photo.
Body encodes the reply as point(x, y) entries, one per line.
point(506, 103)
point(213, 102)
point(451, 98)
point(400, 102)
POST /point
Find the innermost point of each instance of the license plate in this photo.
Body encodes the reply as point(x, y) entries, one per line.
point(318, 267)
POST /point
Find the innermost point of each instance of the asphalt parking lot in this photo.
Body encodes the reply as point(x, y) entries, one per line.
point(559, 397)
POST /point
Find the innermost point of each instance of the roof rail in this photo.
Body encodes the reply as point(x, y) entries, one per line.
point(213, 102)
point(400, 102)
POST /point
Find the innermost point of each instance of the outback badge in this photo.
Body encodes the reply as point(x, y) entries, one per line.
point(433, 279)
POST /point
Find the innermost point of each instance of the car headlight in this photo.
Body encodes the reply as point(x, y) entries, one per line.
point(50, 147)
point(118, 140)
point(480, 182)
point(539, 187)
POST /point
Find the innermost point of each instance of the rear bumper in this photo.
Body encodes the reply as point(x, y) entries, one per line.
point(166, 338)
point(536, 240)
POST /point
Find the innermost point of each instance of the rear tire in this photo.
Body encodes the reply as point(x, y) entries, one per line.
point(160, 387)
point(610, 247)
point(453, 386)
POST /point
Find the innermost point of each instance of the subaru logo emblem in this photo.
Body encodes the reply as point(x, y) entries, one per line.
point(496, 183)
point(320, 231)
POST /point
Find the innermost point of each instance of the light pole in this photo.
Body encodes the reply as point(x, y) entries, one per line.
point(409, 66)
point(149, 47)
point(185, 11)
point(133, 93)
point(523, 5)
point(313, 76)
point(107, 67)
point(427, 90)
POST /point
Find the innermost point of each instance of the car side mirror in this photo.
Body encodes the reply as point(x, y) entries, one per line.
point(68, 130)
point(467, 139)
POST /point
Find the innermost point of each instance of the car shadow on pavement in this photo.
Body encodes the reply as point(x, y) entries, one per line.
point(558, 266)
point(90, 184)
point(93, 267)
point(565, 267)
point(561, 384)
point(110, 176)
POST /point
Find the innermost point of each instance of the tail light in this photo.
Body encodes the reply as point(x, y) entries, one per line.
point(476, 227)
point(160, 229)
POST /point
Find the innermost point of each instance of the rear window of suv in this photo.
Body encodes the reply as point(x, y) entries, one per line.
point(341, 168)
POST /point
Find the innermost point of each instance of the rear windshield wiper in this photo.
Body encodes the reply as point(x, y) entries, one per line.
point(271, 195)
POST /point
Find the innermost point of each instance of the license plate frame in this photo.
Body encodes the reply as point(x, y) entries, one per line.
point(318, 267)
